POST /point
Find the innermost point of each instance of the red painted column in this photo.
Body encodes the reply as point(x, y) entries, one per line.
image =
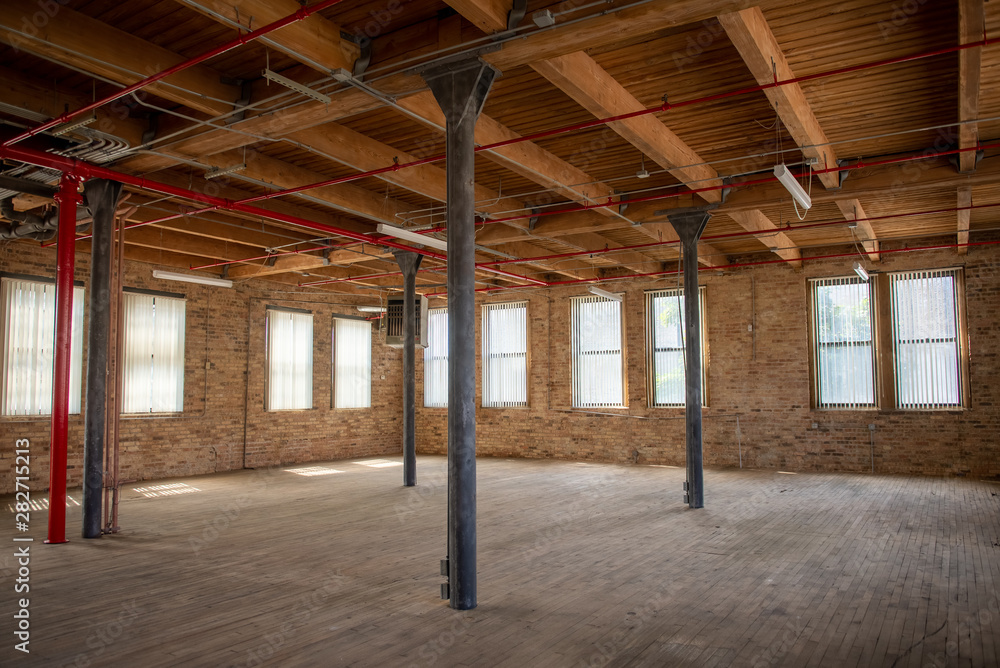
point(67, 198)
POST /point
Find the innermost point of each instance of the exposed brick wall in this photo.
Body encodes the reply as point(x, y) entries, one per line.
point(210, 435)
point(766, 384)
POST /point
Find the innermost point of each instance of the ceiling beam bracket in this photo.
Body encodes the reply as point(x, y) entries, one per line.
point(843, 174)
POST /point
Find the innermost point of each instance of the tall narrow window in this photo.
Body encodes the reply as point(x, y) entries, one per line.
point(844, 351)
point(436, 359)
point(352, 363)
point(289, 359)
point(598, 372)
point(925, 339)
point(505, 355)
point(28, 321)
point(666, 349)
point(153, 380)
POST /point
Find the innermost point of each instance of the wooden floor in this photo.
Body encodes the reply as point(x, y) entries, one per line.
point(579, 565)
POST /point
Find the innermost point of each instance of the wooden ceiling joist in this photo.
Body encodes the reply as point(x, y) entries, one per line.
point(971, 26)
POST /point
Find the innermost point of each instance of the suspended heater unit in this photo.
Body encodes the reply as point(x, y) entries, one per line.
point(394, 321)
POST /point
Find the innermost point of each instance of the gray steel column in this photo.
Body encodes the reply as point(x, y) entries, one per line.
point(102, 196)
point(689, 227)
point(409, 262)
point(460, 89)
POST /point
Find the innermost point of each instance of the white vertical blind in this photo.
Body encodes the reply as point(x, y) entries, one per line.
point(153, 377)
point(436, 359)
point(844, 350)
point(289, 359)
point(27, 320)
point(925, 339)
point(597, 353)
point(352, 363)
point(505, 355)
point(666, 346)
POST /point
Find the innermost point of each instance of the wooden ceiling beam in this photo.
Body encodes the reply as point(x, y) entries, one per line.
point(580, 77)
point(76, 39)
point(779, 242)
point(971, 27)
point(344, 197)
point(964, 218)
point(314, 38)
point(852, 210)
point(751, 35)
point(490, 16)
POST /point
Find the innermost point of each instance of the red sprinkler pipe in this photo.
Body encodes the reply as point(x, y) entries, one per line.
point(303, 13)
point(395, 167)
point(654, 274)
point(87, 170)
point(67, 198)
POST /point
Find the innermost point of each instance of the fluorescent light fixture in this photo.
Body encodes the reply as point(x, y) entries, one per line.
point(792, 186)
point(860, 271)
point(192, 278)
point(73, 125)
point(604, 293)
point(296, 86)
point(400, 233)
point(372, 309)
point(543, 19)
point(216, 172)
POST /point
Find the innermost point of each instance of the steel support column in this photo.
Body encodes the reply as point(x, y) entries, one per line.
point(102, 196)
point(67, 198)
point(408, 263)
point(460, 90)
point(690, 226)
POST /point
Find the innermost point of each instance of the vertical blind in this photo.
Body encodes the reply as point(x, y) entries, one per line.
point(925, 339)
point(597, 353)
point(505, 355)
point(666, 346)
point(352, 363)
point(844, 350)
point(28, 325)
point(290, 360)
point(436, 359)
point(153, 377)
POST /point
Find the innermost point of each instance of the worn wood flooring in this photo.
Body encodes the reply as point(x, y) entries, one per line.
point(579, 565)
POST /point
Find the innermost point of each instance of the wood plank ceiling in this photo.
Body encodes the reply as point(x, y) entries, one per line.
point(850, 103)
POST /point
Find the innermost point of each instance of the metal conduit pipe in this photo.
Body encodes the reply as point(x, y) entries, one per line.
point(735, 265)
point(299, 15)
point(85, 170)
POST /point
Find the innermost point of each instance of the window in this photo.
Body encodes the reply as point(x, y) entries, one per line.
point(598, 371)
point(912, 357)
point(289, 359)
point(844, 348)
point(436, 359)
point(925, 339)
point(153, 379)
point(352, 363)
point(28, 324)
point(505, 355)
point(666, 350)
